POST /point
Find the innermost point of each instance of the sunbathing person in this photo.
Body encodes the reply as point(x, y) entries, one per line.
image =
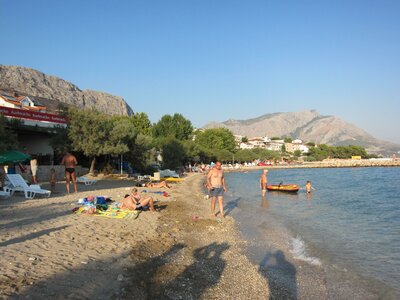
point(135, 201)
point(158, 185)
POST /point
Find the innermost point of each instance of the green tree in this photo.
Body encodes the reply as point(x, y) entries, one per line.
point(216, 139)
point(297, 153)
point(120, 137)
point(94, 134)
point(173, 153)
point(141, 123)
point(245, 139)
point(173, 126)
point(59, 141)
point(288, 139)
point(8, 139)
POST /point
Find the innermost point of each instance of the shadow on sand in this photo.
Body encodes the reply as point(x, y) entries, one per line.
point(190, 283)
point(281, 275)
point(158, 277)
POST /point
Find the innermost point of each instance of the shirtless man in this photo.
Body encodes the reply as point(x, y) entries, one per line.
point(70, 162)
point(136, 201)
point(216, 186)
point(263, 182)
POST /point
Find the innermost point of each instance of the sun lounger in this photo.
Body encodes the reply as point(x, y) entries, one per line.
point(85, 180)
point(4, 194)
point(18, 184)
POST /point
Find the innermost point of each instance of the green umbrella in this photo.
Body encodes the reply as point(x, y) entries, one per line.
point(9, 157)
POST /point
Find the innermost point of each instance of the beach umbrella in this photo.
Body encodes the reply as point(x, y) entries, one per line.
point(9, 157)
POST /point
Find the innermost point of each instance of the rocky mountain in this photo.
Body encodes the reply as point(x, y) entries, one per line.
point(309, 126)
point(30, 82)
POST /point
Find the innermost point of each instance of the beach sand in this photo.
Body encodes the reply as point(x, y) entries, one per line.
point(48, 252)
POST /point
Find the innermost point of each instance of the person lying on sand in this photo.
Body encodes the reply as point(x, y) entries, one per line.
point(136, 201)
point(161, 184)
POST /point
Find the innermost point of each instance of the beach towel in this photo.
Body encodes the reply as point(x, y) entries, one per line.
point(109, 213)
point(165, 194)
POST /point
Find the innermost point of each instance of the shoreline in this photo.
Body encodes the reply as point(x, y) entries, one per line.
point(332, 163)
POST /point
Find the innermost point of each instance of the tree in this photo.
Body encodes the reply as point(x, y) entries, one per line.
point(95, 134)
point(8, 139)
point(216, 139)
point(297, 153)
point(141, 123)
point(283, 148)
point(60, 141)
point(173, 126)
point(245, 139)
point(173, 153)
point(288, 139)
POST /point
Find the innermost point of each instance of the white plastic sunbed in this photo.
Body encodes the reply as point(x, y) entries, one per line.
point(18, 184)
point(85, 180)
point(4, 194)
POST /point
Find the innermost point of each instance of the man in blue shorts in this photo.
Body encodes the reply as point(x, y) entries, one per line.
point(216, 186)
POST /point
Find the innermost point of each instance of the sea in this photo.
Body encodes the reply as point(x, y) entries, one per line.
point(349, 226)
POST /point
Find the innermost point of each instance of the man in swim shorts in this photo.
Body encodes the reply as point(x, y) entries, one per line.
point(216, 186)
point(263, 182)
point(70, 162)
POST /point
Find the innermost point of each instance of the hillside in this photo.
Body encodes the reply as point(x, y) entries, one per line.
point(309, 126)
point(30, 82)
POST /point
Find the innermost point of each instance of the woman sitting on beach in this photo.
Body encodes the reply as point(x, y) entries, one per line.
point(136, 201)
point(158, 185)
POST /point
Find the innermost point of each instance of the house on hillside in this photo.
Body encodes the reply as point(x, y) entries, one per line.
point(21, 102)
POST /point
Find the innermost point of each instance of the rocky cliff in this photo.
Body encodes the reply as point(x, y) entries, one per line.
point(309, 126)
point(30, 82)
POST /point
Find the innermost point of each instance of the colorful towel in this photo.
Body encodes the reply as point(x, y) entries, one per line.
point(109, 213)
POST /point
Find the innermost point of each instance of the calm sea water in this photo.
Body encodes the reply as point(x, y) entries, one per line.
point(350, 222)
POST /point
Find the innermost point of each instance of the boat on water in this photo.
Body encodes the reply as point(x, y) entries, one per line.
point(291, 188)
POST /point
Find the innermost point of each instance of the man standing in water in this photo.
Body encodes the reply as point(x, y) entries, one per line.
point(263, 182)
point(70, 162)
point(216, 186)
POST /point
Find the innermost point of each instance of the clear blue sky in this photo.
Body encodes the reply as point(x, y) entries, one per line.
point(213, 60)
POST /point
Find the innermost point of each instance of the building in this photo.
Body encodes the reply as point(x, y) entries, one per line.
point(34, 125)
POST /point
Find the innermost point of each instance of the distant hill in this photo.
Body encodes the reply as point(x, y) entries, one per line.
point(309, 126)
point(53, 90)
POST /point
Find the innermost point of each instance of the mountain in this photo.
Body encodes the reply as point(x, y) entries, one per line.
point(309, 126)
point(31, 82)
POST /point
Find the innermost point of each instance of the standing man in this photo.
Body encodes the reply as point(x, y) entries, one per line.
point(70, 162)
point(34, 168)
point(263, 182)
point(216, 186)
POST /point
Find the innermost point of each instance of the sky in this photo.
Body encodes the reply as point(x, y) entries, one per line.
point(214, 60)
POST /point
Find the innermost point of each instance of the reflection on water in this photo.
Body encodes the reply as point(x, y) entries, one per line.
point(264, 202)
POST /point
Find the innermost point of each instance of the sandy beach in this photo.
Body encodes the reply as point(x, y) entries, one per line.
point(178, 252)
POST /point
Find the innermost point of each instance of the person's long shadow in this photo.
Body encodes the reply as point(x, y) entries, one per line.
point(205, 272)
point(231, 205)
point(281, 275)
point(191, 283)
point(31, 236)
